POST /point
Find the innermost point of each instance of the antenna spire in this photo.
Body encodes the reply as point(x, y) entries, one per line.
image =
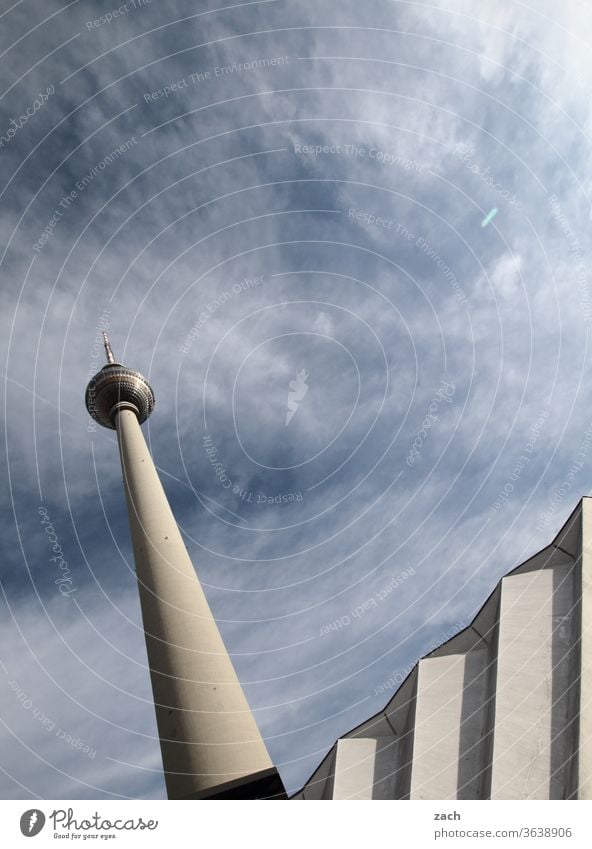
point(108, 351)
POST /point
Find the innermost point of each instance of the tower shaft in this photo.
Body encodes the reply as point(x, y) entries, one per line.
point(210, 742)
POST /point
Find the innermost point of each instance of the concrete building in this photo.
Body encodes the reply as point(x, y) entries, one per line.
point(503, 710)
point(210, 743)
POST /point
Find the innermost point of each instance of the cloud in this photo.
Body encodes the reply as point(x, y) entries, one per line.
point(249, 175)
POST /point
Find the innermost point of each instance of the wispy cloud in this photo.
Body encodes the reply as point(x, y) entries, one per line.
point(245, 169)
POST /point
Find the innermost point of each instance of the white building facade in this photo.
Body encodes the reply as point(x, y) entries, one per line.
point(503, 710)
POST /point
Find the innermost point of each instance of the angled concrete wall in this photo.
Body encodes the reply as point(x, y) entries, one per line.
point(500, 711)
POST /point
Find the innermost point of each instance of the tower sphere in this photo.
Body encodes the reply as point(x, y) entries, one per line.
point(116, 387)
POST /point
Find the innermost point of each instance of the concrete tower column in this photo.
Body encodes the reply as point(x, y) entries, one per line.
point(210, 743)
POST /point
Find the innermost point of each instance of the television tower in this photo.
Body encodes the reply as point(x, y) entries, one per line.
point(210, 743)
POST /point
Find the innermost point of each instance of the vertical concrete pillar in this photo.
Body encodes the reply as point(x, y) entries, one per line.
point(365, 768)
point(530, 755)
point(585, 622)
point(449, 740)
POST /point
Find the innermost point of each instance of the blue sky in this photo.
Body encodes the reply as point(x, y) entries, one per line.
point(243, 194)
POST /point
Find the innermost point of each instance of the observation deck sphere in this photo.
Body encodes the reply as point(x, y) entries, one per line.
point(116, 384)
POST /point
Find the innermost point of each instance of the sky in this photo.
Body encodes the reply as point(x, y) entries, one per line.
point(348, 246)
